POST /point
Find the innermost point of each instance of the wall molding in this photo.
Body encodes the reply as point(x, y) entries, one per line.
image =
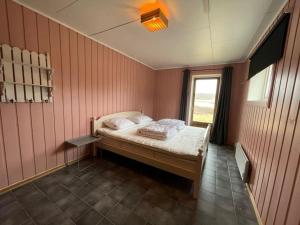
point(37, 176)
point(254, 205)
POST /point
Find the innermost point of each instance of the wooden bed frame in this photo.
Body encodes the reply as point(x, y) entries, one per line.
point(189, 168)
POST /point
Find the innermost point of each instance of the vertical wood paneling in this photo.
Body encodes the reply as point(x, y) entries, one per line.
point(105, 80)
point(57, 97)
point(114, 81)
point(74, 85)
point(94, 79)
point(90, 80)
point(37, 122)
point(9, 111)
point(66, 86)
point(81, 71)
point(276, 157)
point(100, 76)
point(16, 29)
point(110, 82)
point(48, 113)
point(4, 38)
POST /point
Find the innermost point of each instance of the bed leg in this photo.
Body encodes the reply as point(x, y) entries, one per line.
point(196, 186)
point(197, 178)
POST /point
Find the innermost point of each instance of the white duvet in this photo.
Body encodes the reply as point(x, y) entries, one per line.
point(187, 142)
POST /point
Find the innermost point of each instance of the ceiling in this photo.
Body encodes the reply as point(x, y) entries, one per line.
point(200, 32)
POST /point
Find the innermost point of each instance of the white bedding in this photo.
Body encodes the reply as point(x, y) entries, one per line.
point(187, 142)
point(179, 124)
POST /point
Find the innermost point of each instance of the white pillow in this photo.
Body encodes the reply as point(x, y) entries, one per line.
point(179, 124)
point(140, 119)
point(118, 123)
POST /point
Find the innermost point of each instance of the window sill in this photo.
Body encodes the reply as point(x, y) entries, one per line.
point(263, 104)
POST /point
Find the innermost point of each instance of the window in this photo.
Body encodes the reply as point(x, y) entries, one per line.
point(205, 93)
point(260, 86)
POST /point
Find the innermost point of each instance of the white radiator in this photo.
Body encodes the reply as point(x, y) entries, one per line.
point(242, 161)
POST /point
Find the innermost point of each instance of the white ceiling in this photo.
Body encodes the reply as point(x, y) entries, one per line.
point(223, 32)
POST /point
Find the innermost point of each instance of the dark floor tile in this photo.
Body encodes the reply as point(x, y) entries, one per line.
point(234, 174)
point(131, 200)
point(207, 186)
point(83, 191)
point(90, 218)
point(134, 219)
point(236, 180)
point(93, 197)
point(207, 196)
point(44, 213)
point(223, 183)
point(24, 190)
point(61, 220)
point(57, 192)
point(29, 222)
point(118, 193)
point(144, 210)
point(75, 185)
point(207, 207)
point(225, 204)
point(6, 199)
point(12, 214)
point(245, 221)
point(105, 221)
point(161, 217)
point(33, 199)
point(72, 206)
point(183, 215)
point(47, 181)
point(224, 217)
point(209, 172)
point(201, 218)
point(104, 205)
point(127, 192)
point(240, 188)
point(119, 214)
point(224, 192)
point(245, 212)
point(106, 186)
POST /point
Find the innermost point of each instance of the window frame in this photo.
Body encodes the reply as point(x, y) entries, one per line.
point(268, 100)
point(202, 124)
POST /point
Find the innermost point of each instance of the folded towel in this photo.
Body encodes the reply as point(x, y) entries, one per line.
point(158, 131)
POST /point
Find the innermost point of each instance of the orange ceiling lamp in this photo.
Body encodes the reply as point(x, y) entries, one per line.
point(154, 20)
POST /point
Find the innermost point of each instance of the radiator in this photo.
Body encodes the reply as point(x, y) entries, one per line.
point(242, 161)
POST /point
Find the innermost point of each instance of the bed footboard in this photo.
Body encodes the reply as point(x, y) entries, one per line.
point(201, 162)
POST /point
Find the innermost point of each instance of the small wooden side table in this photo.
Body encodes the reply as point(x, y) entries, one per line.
point(82, 141)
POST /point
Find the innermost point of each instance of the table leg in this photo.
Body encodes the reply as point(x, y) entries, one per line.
point(78, 151)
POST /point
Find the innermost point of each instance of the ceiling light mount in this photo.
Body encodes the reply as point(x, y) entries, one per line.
point(154, 20)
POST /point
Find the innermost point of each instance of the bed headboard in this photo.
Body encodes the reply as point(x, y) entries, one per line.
point(98, 122)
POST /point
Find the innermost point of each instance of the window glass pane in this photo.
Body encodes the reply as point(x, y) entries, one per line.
point(260, 85)
point(204, 100)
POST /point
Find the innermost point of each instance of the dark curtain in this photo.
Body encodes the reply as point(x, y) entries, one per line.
point(184, 94)
point(220, 128)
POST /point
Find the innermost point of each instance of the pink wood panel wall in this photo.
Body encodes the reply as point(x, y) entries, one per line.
point(168, 94)
point(90, 80)
point(271, 137)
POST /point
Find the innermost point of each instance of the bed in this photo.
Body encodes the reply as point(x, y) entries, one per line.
point(183, 155)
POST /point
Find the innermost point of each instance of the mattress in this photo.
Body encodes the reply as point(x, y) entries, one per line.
point(187, 142)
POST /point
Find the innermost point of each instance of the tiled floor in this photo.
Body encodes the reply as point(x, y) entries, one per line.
point(118, 191)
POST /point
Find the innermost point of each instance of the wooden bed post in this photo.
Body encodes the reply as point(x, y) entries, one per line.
point(197, 178)
point(200, 163)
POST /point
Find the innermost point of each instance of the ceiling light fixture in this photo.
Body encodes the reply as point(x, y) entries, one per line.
point(154, 20)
